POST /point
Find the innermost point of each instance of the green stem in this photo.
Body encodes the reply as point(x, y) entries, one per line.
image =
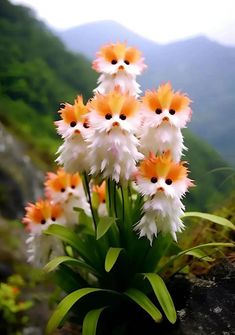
point(88, 194)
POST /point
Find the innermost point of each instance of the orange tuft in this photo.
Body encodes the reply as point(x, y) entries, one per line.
point(165, 98)
point(75, 179)
point(57, 181)
point(114, 103)
point(180, 102)
point(100, 190)
point(74, 113)
point(119, 51)
point(162, 167)
point(41, 210)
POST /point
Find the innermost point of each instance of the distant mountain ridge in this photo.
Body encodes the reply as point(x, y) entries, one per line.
point(201, 67)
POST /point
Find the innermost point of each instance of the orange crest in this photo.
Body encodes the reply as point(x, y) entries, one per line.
point(114, 103)
point(41, 211)
point(162, 167)
point(166, 98)
point(119, 51)
point(100, 190)
point(61, 180)
point(74, 113)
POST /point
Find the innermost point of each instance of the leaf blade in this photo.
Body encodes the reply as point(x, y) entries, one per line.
point(211, 217)
point(65, 305)
point(111, 258)
point(163, 295)
point(54, 263)
point(145, 303)
point(90, 321)
point(104, 224)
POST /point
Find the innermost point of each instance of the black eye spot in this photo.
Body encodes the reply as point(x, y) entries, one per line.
point(103, 201)
point(168, 181)
point(114, 61)
point(43, 221)
point(126, 62)
point(158, 111)
point(154, 180)
point(85, 125)
point(73, 186)
point(73, 124)
point(108, 116)
point(53, 218)
point(122, 117)
point(62, 190)
point(172, 111)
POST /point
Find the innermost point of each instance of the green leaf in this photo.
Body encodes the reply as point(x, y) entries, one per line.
point(200, 254)
point(111, 258)
point(104, 224)
point(90, 321)
point(145, 303)
point(65, 305)
point(54, 263)
point(210, 217)
point(207, 245)
point(162, 295)
point(67, 236)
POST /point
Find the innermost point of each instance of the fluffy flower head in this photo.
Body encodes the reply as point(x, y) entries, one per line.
point(61, 186)
point(164, 106)
point(160, 175)
point(73, 119)
point(117, 57)
point(41, 214)
point(114, 111)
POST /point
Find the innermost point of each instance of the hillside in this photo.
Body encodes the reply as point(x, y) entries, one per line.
point(199, 66)
point(37, 73)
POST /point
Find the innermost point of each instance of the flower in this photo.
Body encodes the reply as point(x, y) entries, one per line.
point(39, 217)
point(73, 128)
point(164, 112)
point(163, 182)
point(67, 190)
point(99, 193)
point(119, 66)
point(113, 145)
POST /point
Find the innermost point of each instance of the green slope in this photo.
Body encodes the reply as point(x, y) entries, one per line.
point(37, 74)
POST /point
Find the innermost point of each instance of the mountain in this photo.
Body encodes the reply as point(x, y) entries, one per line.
point(201, 67)
point(36, 75)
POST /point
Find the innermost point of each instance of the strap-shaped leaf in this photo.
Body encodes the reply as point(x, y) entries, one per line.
point(200, 246)
point(65, 305)
point(111, 258)
point(104, 224)
point(54, 263)
point(145, 303)
point(90, 321)
point(67, 236)
point(162, 295)
point(200, 254)
point(211, 217)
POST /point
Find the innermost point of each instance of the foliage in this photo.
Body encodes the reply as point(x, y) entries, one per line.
point(120, 270)
point(36, 72)
point(12, 307)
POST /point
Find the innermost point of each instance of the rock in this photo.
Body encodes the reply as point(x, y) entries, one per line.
point(20, 180)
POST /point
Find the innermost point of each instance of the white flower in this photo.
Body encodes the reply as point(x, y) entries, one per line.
point(74, 129)
point(67, 190)
point(163, 183)
point(119, 66)
point(39, 217)
point(113, 145)
point(164, 113)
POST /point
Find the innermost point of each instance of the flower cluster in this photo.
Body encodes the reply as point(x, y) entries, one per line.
point(120, 137)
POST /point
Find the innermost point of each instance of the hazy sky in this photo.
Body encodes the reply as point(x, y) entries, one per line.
point(160, 20)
